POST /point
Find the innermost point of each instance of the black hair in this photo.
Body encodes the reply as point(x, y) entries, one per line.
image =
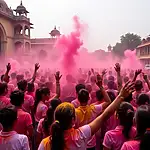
point(2, 77)
point(64, 114)
point(143, 99)
point(17, 98)
point(48, 120)
point(30, 87)
point(3, 87)
point(38, 96)
point(8, 116)
point(79, 87)
point(111, 95)
point(83, 96)
point(129, 98)
point(138, 85)
point(99, 95)
point(125, 114)
point(143, 126)
point(22, 85)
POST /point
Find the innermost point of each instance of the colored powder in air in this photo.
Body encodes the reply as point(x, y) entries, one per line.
point(70, 45)
point(131, 61)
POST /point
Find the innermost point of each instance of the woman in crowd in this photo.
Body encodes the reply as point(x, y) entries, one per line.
point(64, 136)
point(45, 123)
point(114, 139)
point(142, 119)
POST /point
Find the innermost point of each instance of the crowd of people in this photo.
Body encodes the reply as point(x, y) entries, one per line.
point(91, 110)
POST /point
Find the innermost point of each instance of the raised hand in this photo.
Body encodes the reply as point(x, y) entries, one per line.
point(92, 70)
point(8, 67)
point(145, 76)
point(89, 73)
point(99, 81)
point(104, 72)
point(37, 66)
point(127, 89)
point(58, 76)
point(137, 72)
point(117, 67)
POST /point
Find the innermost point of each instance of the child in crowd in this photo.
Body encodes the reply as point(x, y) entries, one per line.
point(10, 139)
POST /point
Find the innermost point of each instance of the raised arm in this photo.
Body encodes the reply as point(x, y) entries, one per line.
point(6, 75)
point(145, 77)
point(97, 123)
point(119, 78)
point(37, 66)
point(107, 100)
point(137, 72)
point(88, 77)
point(57, 78)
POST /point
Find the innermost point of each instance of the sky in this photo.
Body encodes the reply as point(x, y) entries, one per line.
point(107, 20)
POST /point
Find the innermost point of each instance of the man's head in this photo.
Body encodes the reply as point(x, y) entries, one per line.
point(3, 88)
point(22, 85)
point(17, 98)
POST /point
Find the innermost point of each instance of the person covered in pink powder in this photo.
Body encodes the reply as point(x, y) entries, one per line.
point(6, 78)
point(76, 102)
point(10, 139)
point(28, 99)
point(68, 90)
point(23, 124)
point(4, 101)
point(42, 98)
point(142, 120)
point(114, 139)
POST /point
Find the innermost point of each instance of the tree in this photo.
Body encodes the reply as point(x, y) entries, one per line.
point(127, 41)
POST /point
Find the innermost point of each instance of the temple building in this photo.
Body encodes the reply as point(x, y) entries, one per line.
point(15, 32)
point(143, 51)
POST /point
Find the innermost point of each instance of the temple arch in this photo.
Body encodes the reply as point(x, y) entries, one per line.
point(3, 40)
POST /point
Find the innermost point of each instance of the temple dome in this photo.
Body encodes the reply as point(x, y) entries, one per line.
point(21, 9)
point(55, 32)
point(3, 4)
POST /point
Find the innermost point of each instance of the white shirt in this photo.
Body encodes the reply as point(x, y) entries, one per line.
point(13, 141)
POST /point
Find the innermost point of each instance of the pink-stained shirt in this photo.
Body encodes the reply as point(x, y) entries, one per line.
point(111, 123)
point(13, 141)
point(40, 128)
point(75, 139)
point(23, 122)
point(10, 89)
point(85, 115)
point(4, 102)
point(68, 90)
point(28, 103)
point(31, 94)
point(40, 111)
point(114, 139)
point(131, 145)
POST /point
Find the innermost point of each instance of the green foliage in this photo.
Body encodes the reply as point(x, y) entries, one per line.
point(127, 41)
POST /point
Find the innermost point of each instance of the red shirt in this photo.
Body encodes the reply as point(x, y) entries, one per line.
point(24, 120)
